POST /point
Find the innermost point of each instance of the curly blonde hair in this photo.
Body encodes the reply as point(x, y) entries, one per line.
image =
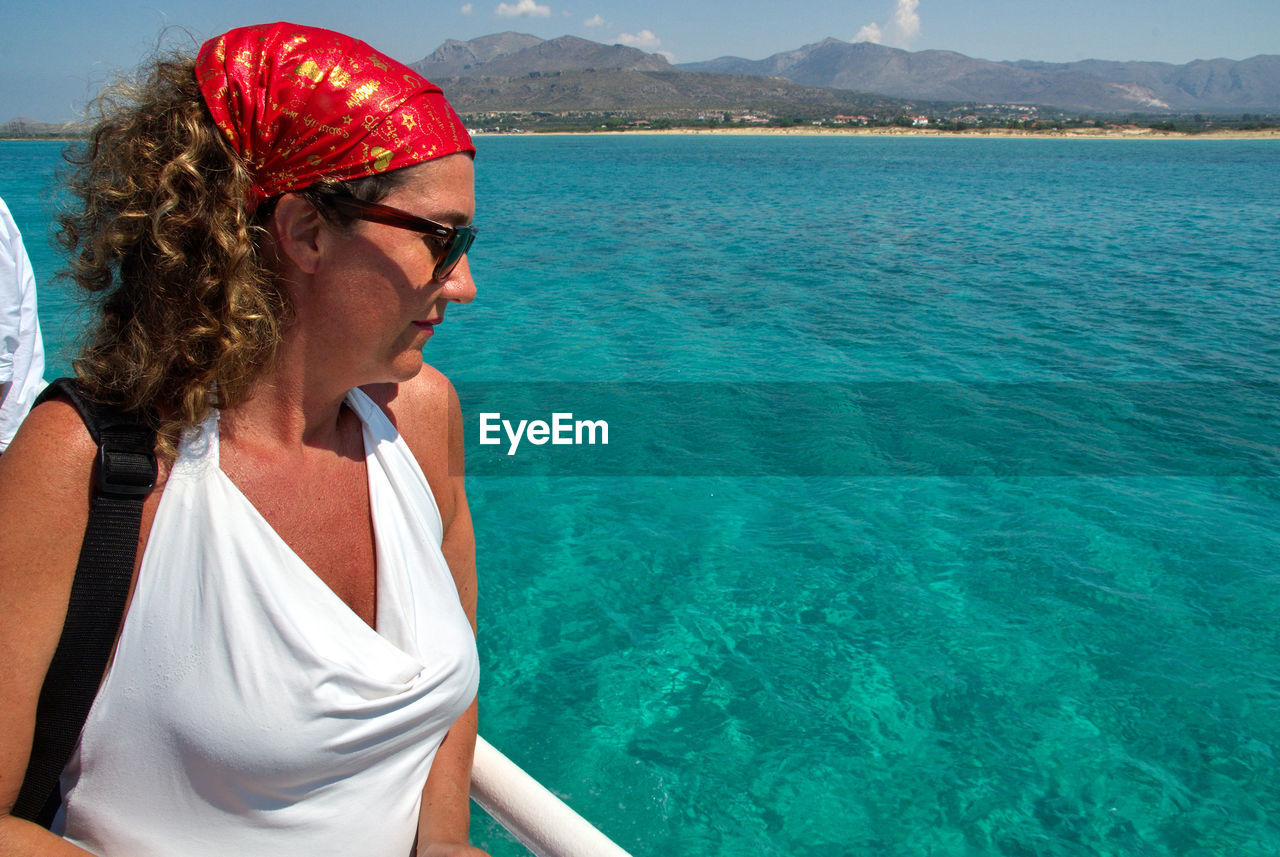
point(187, 314)
point(164, 240)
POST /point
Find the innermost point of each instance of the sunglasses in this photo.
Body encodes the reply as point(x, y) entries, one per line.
point(455, 241)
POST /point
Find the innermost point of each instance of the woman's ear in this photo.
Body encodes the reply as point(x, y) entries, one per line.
point(297, 228)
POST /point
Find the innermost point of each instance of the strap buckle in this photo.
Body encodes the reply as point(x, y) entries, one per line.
point(123, 471)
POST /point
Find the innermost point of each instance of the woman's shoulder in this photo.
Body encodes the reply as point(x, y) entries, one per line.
point(427, 396)
point(426, 413)
point(45, 484)
point(52, 451)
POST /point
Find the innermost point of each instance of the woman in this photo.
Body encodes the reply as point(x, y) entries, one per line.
point(275, 230)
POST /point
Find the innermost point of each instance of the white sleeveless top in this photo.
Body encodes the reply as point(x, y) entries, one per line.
point(248, 711)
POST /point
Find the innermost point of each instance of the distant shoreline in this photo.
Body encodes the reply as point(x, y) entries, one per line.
point(1134, 133)
point(986, 133)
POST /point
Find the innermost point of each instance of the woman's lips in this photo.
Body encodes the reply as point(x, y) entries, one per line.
point(427, 324)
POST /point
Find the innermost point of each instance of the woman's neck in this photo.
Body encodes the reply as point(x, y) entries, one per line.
point(292, 404)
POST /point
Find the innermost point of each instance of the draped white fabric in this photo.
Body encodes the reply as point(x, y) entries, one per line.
point(248, 710)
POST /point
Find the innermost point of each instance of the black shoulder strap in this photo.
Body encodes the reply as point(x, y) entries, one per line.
point(124, 474)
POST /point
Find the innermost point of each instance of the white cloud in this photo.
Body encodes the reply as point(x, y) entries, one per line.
point(905, 20)
point(870, 33)
point(594, 21)
point(467, 7)
point(902, 29)
point(671, 58)
point(645, 40)
point(522, 9)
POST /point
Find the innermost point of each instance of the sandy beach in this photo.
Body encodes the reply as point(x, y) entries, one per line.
point(1116, 133)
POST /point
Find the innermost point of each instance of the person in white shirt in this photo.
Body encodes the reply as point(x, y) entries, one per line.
point(21, 349)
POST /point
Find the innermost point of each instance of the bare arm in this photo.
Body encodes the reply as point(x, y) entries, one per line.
point(44, 489)
point(446, 801)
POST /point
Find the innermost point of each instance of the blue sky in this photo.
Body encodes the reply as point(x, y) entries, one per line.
point(53, 55)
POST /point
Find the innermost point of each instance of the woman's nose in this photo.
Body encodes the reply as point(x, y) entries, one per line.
point(458, 286)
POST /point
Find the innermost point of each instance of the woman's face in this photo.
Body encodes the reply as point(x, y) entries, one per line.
point(377, 301)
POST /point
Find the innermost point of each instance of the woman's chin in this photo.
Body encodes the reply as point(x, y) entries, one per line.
point(407, 367)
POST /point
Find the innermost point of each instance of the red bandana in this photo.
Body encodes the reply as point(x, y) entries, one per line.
point(301, 103)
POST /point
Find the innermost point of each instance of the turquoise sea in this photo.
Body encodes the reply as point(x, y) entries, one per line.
point(941, 509)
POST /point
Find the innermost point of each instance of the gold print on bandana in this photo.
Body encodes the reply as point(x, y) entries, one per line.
point(339, 77)
point(310, 71)
point(381, 158)
point(362, 93)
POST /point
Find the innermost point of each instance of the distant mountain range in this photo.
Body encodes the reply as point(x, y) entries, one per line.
point(518, 72)
point(515, 54)
point(1090, 86)
point(1218, 85)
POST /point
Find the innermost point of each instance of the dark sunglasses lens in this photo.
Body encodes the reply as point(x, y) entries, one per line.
point(453, 253)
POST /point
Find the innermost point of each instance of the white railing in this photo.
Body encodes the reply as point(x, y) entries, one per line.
point(544, 823)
